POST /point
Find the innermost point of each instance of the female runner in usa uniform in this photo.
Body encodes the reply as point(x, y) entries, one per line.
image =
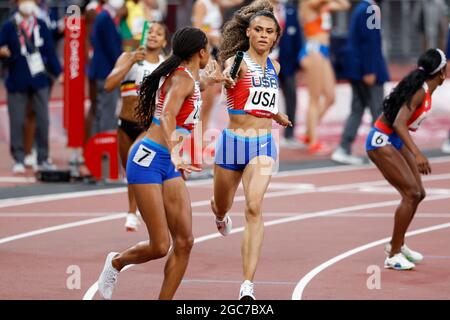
point(390, 147)
point(129, 71)
point(169, 105)
point(246, 150)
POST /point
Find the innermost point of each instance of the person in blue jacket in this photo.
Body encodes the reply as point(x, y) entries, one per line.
point(27, 46)
point(446, 146)
point(367, 72)
point(286, 53)
point(107, 44)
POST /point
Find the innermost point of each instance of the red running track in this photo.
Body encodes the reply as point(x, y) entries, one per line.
point(312, 217)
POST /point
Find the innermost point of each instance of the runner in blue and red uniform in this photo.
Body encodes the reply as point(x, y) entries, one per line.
point(390, 146)
point(169, 106)
point(246, 150)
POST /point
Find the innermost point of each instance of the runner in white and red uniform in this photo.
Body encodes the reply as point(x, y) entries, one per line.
point(246, 150)
point(390, 146)
point(169, 97)
point(129, 72)
point(189, 113)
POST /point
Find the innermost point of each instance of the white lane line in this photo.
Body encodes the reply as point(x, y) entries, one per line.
point(11, 202)
point(391, 190)
point(194, 204)
point(18, 179)
point(60, 227)
point(209, 214)
point(206, 202)
point(346, 168)
point(93, 288)
point(300, 287)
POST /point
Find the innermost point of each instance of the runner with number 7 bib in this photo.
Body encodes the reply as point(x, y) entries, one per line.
point(391, 148)
point(169, 106)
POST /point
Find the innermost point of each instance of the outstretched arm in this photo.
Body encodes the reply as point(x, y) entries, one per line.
point(122, 67)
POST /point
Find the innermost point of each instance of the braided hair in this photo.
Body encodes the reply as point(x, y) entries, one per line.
point(186, 42)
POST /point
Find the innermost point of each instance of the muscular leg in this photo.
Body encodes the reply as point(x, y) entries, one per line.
point(409, 157)
point(328, 87)
point(398, 173)
point(255, 183)
point(150, 202)
point(226, 183)
point(179, 218)
point(313, 80)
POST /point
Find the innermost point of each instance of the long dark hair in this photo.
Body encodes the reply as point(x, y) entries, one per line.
point(407, 88)
point(234, 32)
point(186, 42)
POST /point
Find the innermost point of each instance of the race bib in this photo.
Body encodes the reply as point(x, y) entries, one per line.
point(263, 99)
point(35, 63)
point(194, 116)
point(144, 156)
point(380, 139)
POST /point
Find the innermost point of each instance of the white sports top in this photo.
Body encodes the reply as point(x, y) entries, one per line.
point(132, 81)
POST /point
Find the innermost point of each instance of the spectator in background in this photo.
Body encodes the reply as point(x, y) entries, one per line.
point(56, 26)
point(367, 71)
point(93, 8)
point(430, 19)
point(286, 54)
point(107, 45)
point(314, 58)
point(140, 11)
point(27, 45)
point(446, 146)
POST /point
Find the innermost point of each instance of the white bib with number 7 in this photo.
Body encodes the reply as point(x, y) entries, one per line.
point(264, 99)
point(144, 156)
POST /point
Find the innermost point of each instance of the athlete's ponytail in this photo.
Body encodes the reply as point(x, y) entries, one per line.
point(186, 42)
point(429, 65)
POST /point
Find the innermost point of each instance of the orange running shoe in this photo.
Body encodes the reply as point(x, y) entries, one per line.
point(304, 139)
point(318, 148)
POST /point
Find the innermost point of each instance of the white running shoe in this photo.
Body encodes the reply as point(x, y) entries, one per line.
point(108, 277)
point(446, 147)
point(46, 166)
point(225, 225)
point(18, 168)
point(340, 156)
point(132, 222)
point(31, 159)
point(398, 262)
point(247, 291)
point(411, 255)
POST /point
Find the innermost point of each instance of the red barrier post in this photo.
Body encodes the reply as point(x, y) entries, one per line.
point(74, 80)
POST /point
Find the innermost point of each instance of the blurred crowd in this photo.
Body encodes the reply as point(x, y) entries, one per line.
point(32, 31)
